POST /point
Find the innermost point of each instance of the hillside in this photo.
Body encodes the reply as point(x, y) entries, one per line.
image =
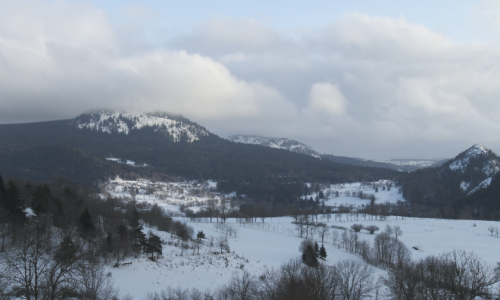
point(451, 185)
point(276, 143)
point(164, 146)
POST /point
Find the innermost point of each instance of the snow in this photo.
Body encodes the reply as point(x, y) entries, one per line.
point(408, 162)
point(484, 184)
point(346, 191)
point(491, 167)
point(126, 161)
point(276, 143)
point(116, 121)
point(258, 246)
point(464, 185)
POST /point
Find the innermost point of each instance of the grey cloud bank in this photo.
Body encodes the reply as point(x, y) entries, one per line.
point(361, 86)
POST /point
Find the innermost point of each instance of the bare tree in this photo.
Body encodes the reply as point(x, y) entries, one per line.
point(355, 279)
point(92, 283)
point(28, 260)
point(465, 276)
point(397, 232)
point(372, 228)
point(323, 231)
point(357, 227)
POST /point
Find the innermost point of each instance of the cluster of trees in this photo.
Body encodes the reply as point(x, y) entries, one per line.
point(346, 280)
point(437, 192)
point(58, 148)
point(311, 252)
point(456, 275)
point(56, 238)
point(453, 275)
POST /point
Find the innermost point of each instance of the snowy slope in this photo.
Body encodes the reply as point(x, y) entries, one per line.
point(125, 121)
point(474, 167)
point(420, 163)
point(490, 164)
point(484, 184)
point(277, 143)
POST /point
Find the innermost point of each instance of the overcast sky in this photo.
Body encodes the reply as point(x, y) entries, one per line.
point(373, 79)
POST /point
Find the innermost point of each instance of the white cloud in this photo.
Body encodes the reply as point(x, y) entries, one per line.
point(326, 98)
point(361, 86)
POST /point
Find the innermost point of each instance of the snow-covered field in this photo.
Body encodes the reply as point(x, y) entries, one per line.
point(258, 246)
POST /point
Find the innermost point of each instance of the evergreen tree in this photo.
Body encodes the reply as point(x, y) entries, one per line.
point(322, 251)
point(316, 249)
point(66, 253)
point(13, 204)
point(153, 245)
point(86, 224)
point(2, 187)
point(309, 256)
point(200, 235)
point(321, 195)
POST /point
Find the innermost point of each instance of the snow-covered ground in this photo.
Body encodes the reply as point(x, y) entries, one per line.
point(346, 194)
point(258, 246)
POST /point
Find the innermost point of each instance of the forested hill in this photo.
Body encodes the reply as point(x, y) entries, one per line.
point(461, 188)
point(156, 146)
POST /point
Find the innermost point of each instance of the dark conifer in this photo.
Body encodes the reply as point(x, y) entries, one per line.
point(322, 251)
point(86, 224)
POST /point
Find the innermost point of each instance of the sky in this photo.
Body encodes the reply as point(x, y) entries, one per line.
point(372, 79)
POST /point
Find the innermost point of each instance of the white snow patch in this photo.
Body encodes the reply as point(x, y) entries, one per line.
point(114, 121)
point(484, 184)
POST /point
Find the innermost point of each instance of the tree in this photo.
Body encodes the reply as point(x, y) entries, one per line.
point(465, 276)
point(60, 274)
point(28, 261)
point(372, 228)
point(355, 279)
point(200, 235)
point(309, 256)
point(404, 281)
point(357, 227)
point(322, 251)
point(86, 224)
point(91, 283)
point(323, 231)
point(397, 232)
point(223, 243)
point(153, 245)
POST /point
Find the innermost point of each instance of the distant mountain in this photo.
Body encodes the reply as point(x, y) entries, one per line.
point(276, 143)
point(405, 165)
point(97, 145)
point(175, 128)
point(298, 147)
point(454, 182)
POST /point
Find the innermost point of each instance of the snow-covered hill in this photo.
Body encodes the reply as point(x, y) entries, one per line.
point(477, 165)
point(125, 121)
point(277, 143)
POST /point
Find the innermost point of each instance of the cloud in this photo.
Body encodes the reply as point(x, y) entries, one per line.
point(327, 99)
point(361, 86)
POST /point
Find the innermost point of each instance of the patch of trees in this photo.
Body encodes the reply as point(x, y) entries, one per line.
point(56, 238)
point(57, 148)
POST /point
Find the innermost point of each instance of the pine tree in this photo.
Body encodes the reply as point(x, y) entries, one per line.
point(309, 256)
point(86, 224)
point(322, 251)
point(13, 204)
point(316, 249)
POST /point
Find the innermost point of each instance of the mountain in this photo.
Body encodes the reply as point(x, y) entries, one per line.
point(174, 128)
point(276, 143)
point(452, 185)
point(298, 147)
point(393, 164)
point(97, 145)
